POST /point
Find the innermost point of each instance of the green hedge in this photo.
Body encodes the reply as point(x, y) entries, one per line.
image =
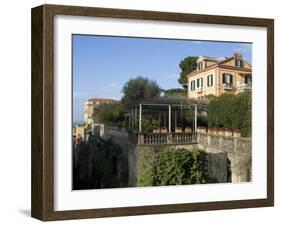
point(175, 167)
point(231, 112)
point(146, 167)
point(171, 166)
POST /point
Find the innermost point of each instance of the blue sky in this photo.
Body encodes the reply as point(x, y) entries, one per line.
point(103, 64)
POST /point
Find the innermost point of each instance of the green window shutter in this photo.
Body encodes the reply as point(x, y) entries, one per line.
point(223, 78)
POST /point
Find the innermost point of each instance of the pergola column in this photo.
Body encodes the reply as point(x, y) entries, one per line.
point(133, 119)
point(136, 118)
point(140, 112)
point(159, 120)
point(165, 119)
point(175, 120)
point(195, 118)
point(130, 126)
point(169, 118)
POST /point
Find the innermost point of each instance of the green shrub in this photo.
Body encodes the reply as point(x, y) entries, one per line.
point(175, 167)
point(110, 114)
point(231, 112)
point(149, 122)
point(170, 166)
point(146, 168)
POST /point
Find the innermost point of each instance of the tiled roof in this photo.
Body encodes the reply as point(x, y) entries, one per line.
point(219, 64)
point(101, 99)
point(210, 58)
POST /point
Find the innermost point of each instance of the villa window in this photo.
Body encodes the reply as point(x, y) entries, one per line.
point(200, 66)
point(248, 80)
point(238, 63)
point(199, 82)
point(210, 80)
point(192, 84)
point(227, 79)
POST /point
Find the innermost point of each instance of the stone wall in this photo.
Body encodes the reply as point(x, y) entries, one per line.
point(128, 143)
point(228, 158)
point(120, 136)
point(141, 160)
point(238, 152)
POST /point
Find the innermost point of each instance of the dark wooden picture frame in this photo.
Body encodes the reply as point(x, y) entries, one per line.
point(43, 112)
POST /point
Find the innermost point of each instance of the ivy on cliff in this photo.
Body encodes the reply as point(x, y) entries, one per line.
point(172, 167)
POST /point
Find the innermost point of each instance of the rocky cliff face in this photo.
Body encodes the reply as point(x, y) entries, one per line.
point(98, 163)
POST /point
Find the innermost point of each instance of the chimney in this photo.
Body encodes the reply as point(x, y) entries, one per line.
point(238, 56)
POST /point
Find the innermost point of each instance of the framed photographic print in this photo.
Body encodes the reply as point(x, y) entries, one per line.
point(141, 112)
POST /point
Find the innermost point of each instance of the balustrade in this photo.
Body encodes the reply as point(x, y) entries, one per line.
point(167, 138)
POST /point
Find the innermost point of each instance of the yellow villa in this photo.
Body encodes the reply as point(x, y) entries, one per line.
point(218, 76)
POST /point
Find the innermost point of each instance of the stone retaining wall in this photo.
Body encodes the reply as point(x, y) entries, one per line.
point(238, 151)
point(226, 155)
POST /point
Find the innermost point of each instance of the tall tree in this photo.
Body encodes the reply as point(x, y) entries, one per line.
point(138, 89)
point(187, 65)
point(175, 92)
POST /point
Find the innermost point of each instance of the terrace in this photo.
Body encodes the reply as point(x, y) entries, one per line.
point(164, 123)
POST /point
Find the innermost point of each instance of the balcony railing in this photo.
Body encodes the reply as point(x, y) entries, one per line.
point(244, 86)
point(167, 138)
point(199, 89)
point(227, 85)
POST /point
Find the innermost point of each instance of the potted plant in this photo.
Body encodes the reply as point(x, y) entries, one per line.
point(222, 131)
point(201, 129)
point(178, 130)
point(188, 129)
point(156, 129)
point(215, 131)
point(227, 132)
point(236, 133)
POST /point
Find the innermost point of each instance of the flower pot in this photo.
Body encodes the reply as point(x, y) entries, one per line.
point(201, 129)
point(221, 132)
point(178, 130)
point(236, 133)
point(227, 133)
point(157, 130)
point(215, 131)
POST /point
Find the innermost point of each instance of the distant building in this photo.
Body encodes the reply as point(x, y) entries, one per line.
point(78, 132)
point(218, 76)
point(89, 109)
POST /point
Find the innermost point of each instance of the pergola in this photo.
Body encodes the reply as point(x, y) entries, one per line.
point(167, 113)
